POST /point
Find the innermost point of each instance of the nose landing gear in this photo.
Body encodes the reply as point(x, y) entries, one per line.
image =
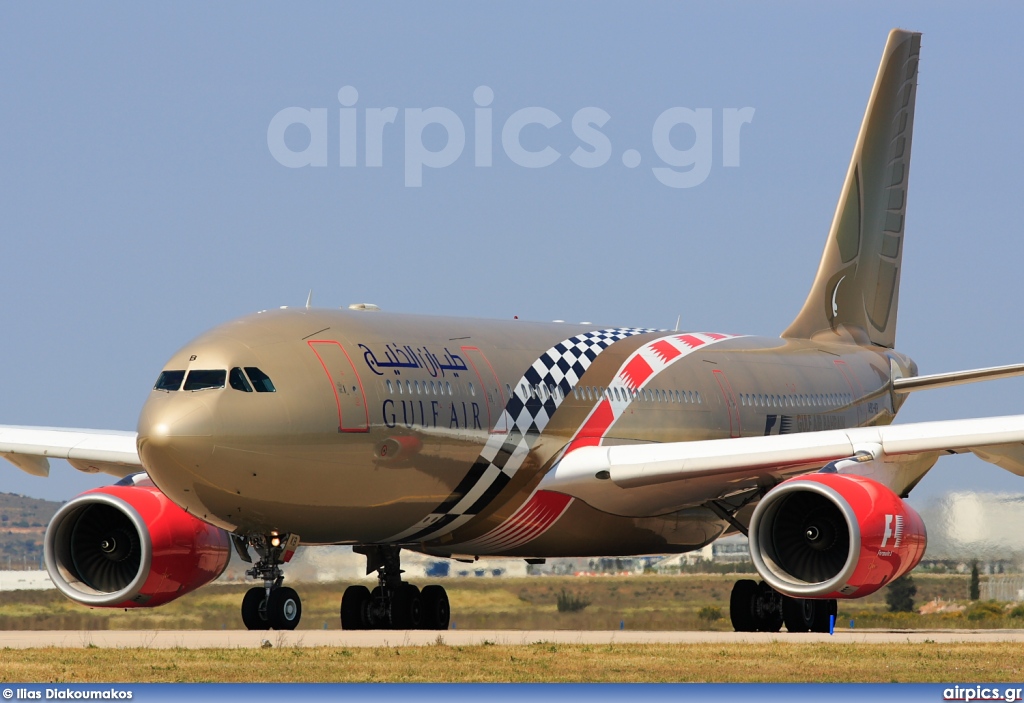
point(270, 606)
point(394, 604)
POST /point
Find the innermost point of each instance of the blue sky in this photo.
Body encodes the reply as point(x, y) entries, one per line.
point(141, 203)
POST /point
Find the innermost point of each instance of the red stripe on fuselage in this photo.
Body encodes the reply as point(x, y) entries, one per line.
point(664, 349)
point(690, 341)
point(636, 373)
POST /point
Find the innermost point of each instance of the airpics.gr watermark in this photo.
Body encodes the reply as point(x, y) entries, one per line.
point(679, 168)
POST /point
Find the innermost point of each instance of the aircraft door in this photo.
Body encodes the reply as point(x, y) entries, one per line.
point(353, 415)
point(731, 403)
point(493, 394)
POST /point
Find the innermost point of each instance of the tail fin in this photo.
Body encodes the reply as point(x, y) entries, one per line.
point(856, 291)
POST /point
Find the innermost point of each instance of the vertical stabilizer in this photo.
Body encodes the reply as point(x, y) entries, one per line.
point(856, 291)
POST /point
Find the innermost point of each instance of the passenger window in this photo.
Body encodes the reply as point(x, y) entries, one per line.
point(238, 381)
point(201, 380)
point(169, 381)
point(448, 386)
point(260, 381)
point(391, 390)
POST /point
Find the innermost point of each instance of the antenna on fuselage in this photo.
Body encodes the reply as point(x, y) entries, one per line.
point(309, 299)
point(678, 320)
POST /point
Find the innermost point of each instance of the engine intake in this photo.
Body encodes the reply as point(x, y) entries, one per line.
point(834, 536)
point(130, 546)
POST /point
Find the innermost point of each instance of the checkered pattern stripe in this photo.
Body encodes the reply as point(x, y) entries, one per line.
point(543, 508)
point(526, 414)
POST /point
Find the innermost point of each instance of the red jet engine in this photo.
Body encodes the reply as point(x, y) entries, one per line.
point(129, 546)
point(834, 536)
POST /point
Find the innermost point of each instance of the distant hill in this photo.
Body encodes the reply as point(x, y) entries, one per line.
point(23, 523)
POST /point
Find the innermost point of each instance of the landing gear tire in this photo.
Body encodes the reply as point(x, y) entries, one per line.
point(798, 614)
point(768, 608)
point(808, 614)
point(741, 606)
point(354, 604)
point(437, 612)
point(254, 609)
point(755, 607)
point(826, 610)
point(407, 609)
point(284, 608)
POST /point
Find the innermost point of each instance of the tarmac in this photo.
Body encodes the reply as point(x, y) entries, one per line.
point(233, 639)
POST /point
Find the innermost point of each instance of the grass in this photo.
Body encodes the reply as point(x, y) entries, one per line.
point(544, 662)
point(638, 602)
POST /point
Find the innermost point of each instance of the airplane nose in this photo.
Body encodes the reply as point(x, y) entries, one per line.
point(168, 418)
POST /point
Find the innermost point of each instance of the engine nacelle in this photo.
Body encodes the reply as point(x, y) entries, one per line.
point(129, 546)
point(834, 536)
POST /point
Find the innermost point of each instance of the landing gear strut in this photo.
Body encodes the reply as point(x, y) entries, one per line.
point(757, 607)
point(270, 606)
point(394, 604)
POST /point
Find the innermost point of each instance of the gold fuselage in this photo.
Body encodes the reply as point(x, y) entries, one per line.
point(378, 418)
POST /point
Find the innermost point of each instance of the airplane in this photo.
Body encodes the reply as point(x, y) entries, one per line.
point(465, 438)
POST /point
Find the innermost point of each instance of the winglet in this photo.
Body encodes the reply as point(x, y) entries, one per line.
point(856, 290)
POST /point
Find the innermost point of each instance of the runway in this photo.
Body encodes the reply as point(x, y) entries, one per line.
point(234, 639)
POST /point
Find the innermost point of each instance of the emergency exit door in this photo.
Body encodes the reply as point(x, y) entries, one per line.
point(732, 406)
point(493, 395)
point(353, 415)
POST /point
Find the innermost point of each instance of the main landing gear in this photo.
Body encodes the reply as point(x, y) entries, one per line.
point(394, 604)
point(270, 606)
point(754, 606)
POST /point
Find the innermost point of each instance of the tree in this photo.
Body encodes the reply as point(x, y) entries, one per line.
point(975, 592)
point(899, 598)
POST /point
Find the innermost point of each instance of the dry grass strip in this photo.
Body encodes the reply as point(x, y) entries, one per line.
point(778, 662)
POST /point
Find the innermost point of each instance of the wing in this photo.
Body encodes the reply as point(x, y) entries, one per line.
point(653, 479)
point(107, 451)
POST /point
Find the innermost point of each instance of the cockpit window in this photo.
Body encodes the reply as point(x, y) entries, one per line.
point(238, 381)
point(169, 381)
point(260, 381)
point(199, 380)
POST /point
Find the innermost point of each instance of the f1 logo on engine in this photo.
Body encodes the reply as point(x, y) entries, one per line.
point(894, 530)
